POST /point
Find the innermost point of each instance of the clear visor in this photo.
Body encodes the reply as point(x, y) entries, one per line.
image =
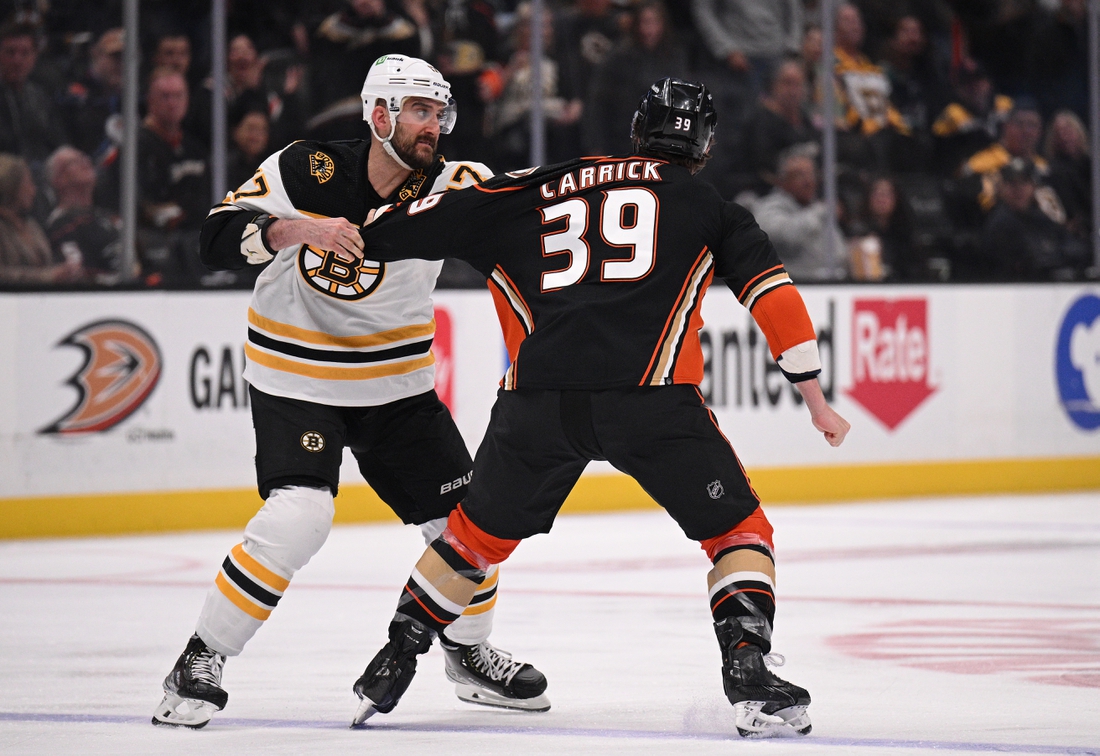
point(418, 112)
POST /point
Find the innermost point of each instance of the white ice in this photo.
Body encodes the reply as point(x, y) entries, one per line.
point(931, 626)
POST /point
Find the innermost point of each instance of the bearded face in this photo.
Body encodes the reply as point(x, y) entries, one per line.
point(415, 145)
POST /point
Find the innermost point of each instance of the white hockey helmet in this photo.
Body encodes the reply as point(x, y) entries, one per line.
point(395, 78)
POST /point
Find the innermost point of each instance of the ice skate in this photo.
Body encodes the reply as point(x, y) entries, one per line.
point(192, 690)
point(389, 673)
point(765, 706)
point(483, 674)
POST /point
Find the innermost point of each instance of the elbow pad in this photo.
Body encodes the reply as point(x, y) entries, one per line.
point(801, 362)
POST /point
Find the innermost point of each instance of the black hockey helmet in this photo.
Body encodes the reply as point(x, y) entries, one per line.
point(676, 117)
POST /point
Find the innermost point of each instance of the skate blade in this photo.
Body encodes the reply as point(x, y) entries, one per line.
point(752, 722)
point(365, 711)
point(475, 694)
point(183, 712)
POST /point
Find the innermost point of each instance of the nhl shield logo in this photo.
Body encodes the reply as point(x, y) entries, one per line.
point(339, 278)
point(715, 490)
point(321, 167)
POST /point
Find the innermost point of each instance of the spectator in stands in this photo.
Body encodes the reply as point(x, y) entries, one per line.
point(1067, 151)
point(917, 89)
point(78, 231)
point(92, 106)
point(30, 125)
point(885, 218)
point(1020, 137)
point(348, 41)
point(250, 143)
point(781, 121)
point(25, 255)
point(872, 130)
point(585, 34)
point(750, 37)
point(173, 52)
point(971, 122)
point(796, 222)
point(1021, 242)
point(245, 82)
point(173, 184)
point(651, 52)
point(470, 59)
point(1060, 59)
point(509, 116)
point(810, 54)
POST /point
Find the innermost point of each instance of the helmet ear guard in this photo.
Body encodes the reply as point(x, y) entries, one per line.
point(675, 117)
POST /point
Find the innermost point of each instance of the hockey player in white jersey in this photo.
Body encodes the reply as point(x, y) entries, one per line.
point(338, 354)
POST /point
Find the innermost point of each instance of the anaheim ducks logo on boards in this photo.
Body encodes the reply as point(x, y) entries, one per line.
point(339, 278)
point(122, 366)
point(321, 167)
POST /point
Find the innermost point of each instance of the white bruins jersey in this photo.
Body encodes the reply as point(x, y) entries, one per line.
point(324, 330)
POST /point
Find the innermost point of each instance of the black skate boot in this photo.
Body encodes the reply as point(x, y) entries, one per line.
point(483, 674)
point(765, 706)
point(192, 690)
point(389, 673)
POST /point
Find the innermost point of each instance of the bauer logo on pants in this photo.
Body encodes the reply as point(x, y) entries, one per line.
point(122, 366)
point(890, 351)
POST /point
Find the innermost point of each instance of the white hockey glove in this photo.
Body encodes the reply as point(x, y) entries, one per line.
point(254, 242)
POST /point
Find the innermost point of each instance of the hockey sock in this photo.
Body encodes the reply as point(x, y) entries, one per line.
point(287, 531)
point(742, 582)
point(742, 586)
point(442, 584)
point(476, 622)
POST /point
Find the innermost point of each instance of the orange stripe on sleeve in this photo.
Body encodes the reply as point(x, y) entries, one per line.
point(781, 315)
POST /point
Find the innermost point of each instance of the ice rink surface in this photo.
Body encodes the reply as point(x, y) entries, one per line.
point(940, 626)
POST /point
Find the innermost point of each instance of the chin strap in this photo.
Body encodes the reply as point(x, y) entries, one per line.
point(386, 143)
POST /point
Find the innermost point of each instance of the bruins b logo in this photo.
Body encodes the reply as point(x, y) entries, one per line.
point(338, 278)
point(321, 167)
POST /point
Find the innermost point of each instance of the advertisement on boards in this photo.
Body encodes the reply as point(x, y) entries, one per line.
point(143, 391)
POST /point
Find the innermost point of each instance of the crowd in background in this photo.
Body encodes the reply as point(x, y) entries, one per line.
point(962, 149)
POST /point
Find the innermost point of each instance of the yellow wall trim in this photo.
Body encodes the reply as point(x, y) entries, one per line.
point(108, 514)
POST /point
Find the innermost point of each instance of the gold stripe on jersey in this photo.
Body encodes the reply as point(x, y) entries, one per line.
point(764, 282)
point(331, 373)
point(275, 328)
point(665, 354)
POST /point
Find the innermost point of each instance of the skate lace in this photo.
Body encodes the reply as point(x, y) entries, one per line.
point(206, 666)
point(496, 664)
point(775, 660)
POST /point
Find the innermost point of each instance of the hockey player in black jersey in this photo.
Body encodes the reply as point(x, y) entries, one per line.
point(339, 355)
point(598, 267)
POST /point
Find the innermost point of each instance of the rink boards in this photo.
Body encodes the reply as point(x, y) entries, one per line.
point(127, 412)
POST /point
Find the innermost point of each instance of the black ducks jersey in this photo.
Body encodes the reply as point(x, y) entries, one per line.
point(598, 268)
